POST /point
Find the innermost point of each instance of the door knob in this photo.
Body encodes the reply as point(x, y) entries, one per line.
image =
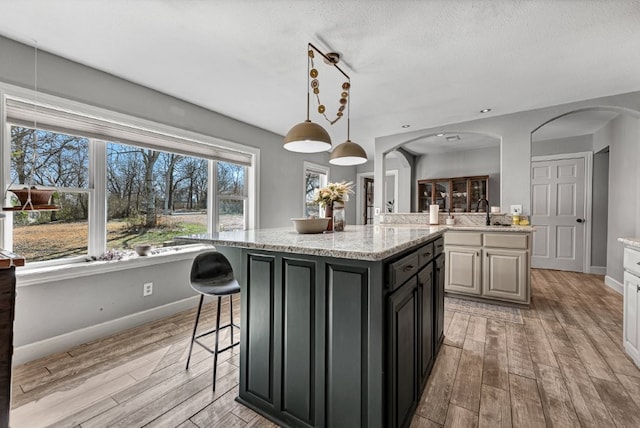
point(580, 220)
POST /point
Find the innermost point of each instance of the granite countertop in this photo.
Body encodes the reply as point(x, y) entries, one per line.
point(633, 242)
point(372, 243)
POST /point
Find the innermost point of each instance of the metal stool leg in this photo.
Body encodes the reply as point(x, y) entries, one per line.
point(215, 354)
point(231, 317)
point(195, 327)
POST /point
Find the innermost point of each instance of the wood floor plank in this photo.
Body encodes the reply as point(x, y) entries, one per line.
point(495, 408)
point(519, 357)
point(168, 402)
point(539, 346)
point(558, 339)
point(434, 402)
point(588, 354)
point(461, 417)
point(420, 422)
point(261, 422)
point(526, 407)
point(87, 413)
point(622, 408)
point(632, 385)
point(586, 401)
point(556, 402)
point(476, 330)
point(213, 414)
point(230, 421)
point(146, 396)
point(457, 331)
point(187, 424)
point(615, 358)
point(468, 383)
point(495, 369)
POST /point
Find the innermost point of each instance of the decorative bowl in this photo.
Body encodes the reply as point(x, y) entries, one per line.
point(143, 249)
point(311, 225)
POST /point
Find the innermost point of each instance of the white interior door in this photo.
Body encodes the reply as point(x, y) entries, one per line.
point(558, 214)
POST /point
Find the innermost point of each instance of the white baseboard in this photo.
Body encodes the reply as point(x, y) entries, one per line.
point(615, 285)
point(32, 351)
point(598, 270)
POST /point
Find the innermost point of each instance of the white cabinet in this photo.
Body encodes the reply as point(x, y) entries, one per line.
point(505, 274)
point(631, 325)
point(489, 265)
point(462, 270)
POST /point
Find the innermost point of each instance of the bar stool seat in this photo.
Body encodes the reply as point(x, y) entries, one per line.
point(212, 275)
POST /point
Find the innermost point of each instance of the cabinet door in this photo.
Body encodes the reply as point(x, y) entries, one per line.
point(442, 195)
point(505, 274)
point(403, 391)
point(425, 322)
point(438, 281)
point(631, 315)
point(462, 270)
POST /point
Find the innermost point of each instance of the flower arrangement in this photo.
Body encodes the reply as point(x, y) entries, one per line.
point(333, 192)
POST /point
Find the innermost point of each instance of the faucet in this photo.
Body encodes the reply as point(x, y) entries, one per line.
point(488, 222)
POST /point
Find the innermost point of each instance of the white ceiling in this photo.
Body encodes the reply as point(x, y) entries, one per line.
point(422, 63)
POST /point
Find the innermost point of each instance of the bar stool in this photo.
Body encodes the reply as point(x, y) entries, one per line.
point(212, 275)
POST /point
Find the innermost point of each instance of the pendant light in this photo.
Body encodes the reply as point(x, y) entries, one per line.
point(307, 137)
point(348, 153)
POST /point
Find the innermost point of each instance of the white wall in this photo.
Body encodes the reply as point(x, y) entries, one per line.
point(577, 144)
point(465, 163)
point(624, 162)
point(54, 308)
point(600, 209)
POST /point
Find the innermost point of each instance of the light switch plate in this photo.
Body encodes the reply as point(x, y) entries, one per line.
point(516, 209)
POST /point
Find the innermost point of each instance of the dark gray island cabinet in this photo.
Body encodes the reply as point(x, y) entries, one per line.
point(337, 333)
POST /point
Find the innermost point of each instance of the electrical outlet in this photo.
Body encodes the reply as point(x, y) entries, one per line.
point(147, 289)
point(516, 209)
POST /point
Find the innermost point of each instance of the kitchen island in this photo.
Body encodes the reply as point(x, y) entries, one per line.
point(338, 329)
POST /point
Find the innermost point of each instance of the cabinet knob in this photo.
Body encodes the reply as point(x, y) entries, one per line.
point(580, 220)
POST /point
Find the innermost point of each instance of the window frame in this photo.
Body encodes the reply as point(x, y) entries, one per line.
point(317, 168)
point(97, 191)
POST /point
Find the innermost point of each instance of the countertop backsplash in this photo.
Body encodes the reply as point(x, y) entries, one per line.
point(466, 219)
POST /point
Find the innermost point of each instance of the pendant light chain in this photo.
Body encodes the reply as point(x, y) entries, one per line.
point(315, 85)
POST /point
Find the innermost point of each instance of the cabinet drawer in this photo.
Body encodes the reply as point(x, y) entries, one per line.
point(402, 270)
point(506, 240)
point(438, 246)
point(632, 261)
point(425, 254)
point(463, 238)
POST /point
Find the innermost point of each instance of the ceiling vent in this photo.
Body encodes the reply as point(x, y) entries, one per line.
point(452, 138)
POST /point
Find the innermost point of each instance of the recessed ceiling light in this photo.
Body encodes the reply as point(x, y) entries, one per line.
point(485, 110)
point(452, 138)
point(406, 126)
point(439, 135)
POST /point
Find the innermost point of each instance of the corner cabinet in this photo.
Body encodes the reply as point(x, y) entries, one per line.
point(458, 194)
point(488, 265)
point(631, 323)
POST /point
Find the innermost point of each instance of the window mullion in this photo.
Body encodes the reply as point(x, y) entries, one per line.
point(97, 197)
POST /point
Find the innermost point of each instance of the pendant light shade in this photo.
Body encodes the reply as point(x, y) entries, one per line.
point(307, 137)
point(348, 153)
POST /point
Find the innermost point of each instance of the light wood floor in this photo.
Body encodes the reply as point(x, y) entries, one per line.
point(563, 366)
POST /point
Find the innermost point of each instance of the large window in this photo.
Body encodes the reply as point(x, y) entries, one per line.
point(40, 160)
point(315, 177)
point(153, 196)
point(115, 184)
point(231, 196)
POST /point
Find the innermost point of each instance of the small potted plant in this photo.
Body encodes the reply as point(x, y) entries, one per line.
point(331, 194)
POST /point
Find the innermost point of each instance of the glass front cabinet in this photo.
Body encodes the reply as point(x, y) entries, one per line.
point(458, 194)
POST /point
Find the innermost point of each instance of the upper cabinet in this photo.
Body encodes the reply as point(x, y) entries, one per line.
point(458, 194)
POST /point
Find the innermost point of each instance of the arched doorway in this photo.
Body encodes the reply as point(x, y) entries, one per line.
point(571, 173)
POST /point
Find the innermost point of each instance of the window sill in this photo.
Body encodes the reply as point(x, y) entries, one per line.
point(26, 277)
